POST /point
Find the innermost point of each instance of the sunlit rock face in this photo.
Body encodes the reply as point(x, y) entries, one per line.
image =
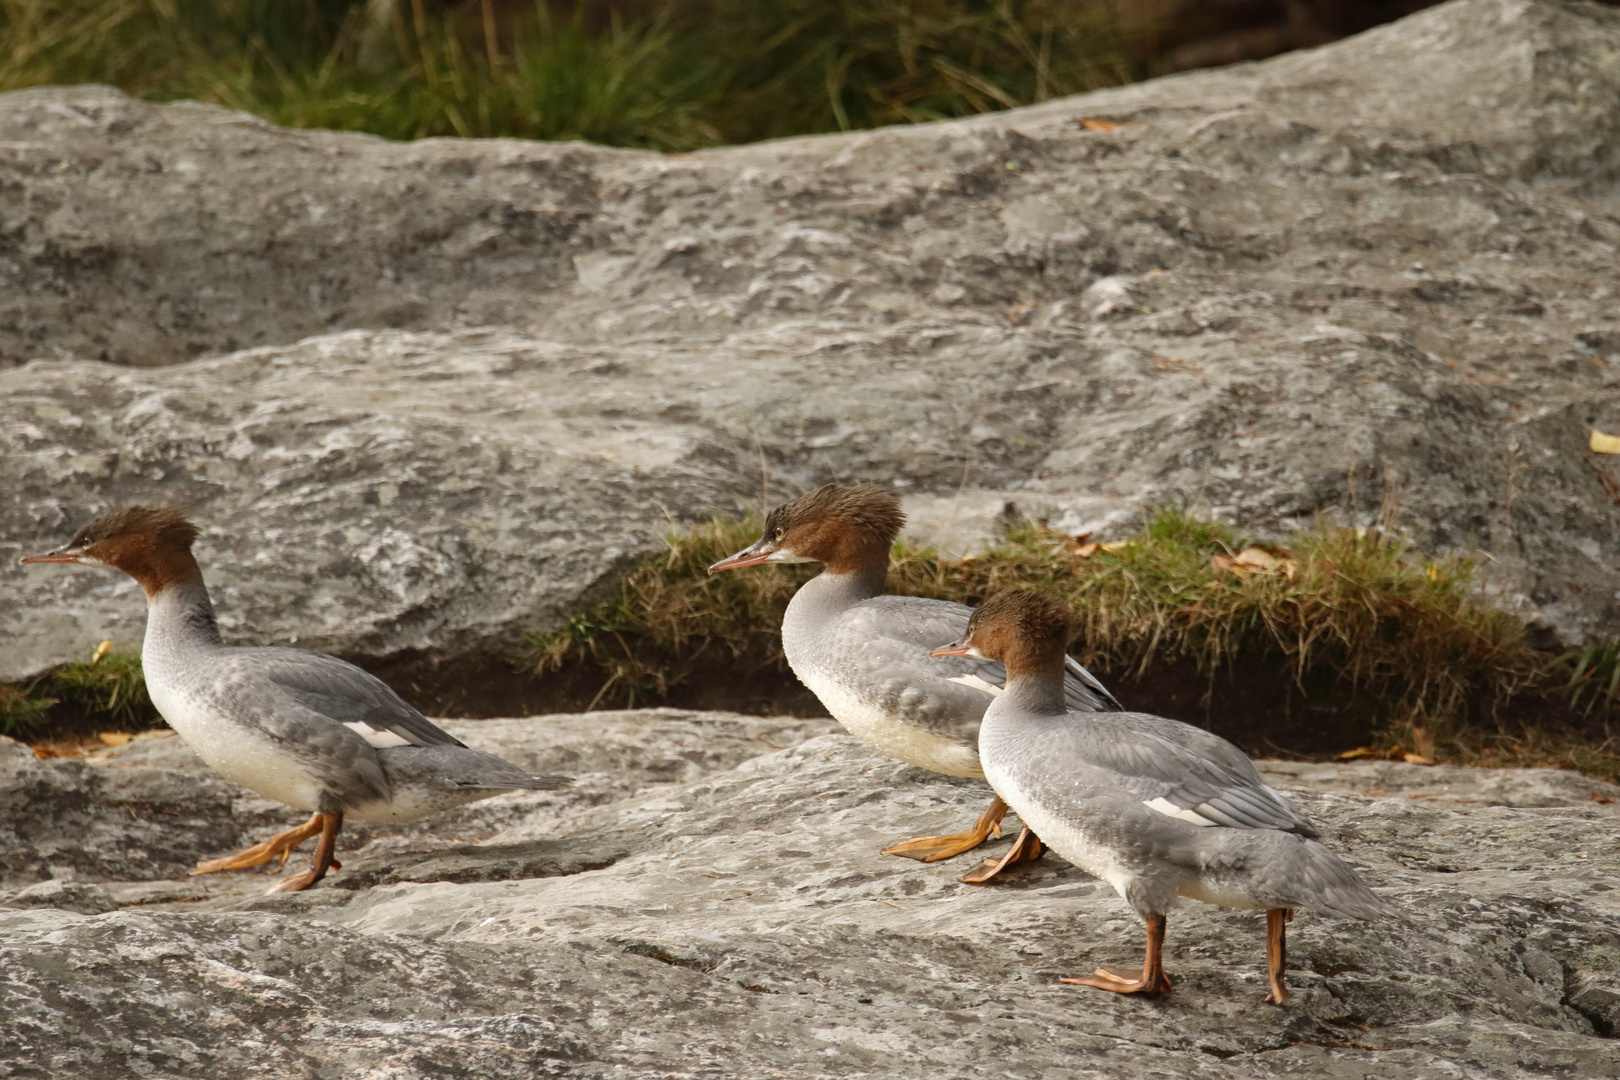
point(424, 397)
point(703, 904)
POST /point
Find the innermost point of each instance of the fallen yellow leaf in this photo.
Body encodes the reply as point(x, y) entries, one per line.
point(1097, 123)
point(114, 738)
point(1117, 545)
point(1360, 752)
point(1254, 558)
point(1086, 551)
point(101, 650)
point(1604, 444)
point(1416, 759)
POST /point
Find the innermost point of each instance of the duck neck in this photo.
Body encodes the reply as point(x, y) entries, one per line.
point(1035, 676)
point(823, 598)
point(179, 619)
point(1036, 693)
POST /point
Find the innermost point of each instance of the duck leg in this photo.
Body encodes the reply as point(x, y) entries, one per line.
point(935, 848)
point(1277, 920)
point(281, 844)
point(1027, 848)
point(330, 825)
point(1152, 980)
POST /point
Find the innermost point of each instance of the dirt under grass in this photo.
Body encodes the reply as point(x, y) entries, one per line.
point(1337, 640)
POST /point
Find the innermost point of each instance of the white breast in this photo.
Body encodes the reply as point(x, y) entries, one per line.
point(1068, 838)
point(911, 744)
point(239, 753)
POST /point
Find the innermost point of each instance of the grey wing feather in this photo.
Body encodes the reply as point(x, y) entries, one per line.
point(1083, 691)
point(344, 763)
point(1190, 768)
point(339, 690)
point(929, 624)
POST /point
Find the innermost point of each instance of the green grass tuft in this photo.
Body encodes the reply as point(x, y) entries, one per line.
point(107, 692)
point(669, 613)
point(21, 709)
point(673, 75)
point(111, 687)
point(1594, 676)
point(1353, 608)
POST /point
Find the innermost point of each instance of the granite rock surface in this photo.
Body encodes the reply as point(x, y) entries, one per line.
point(425, 397)
point(711, 900)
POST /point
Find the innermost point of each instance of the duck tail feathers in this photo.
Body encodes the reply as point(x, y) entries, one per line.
point(1331, 885)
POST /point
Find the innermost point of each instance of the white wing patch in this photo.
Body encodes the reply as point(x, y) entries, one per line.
point(380, 738)
point(977, 683)
point(1170, 809)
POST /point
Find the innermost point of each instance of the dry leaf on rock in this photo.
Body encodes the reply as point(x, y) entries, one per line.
point(1604, 444)
point(1097, 123)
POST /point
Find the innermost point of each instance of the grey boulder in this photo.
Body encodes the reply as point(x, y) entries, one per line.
point(706, 904)
point(480, 377)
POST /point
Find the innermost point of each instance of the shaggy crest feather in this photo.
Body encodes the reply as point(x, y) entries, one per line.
point(1031, 615)
point(867, 508)
point(164, 522)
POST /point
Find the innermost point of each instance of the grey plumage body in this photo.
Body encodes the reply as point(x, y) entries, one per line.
point(865, 655)
point(1159, 809)
point(306, 729)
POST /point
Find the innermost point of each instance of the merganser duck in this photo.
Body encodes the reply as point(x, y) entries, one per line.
point(865, 654)
point(1157, 808)
point(299, 727)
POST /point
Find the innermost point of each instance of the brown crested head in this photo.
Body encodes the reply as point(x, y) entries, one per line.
point(1027, 631)
point(844, 527)
point(150, 544)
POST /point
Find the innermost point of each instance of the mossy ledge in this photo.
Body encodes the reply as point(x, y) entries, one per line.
point(1332, 640)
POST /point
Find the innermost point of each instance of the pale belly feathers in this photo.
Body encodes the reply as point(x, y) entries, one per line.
point(1101, 860)
point(912, 745)
point(238, 753)
point(1065, 837)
